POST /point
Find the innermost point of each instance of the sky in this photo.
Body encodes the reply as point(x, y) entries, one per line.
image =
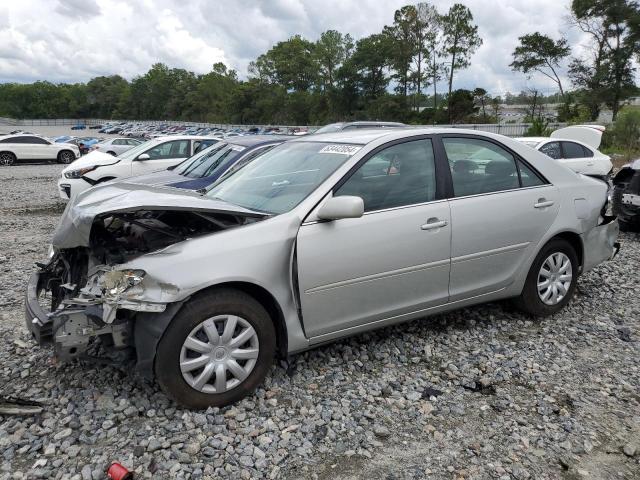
point(75, 40)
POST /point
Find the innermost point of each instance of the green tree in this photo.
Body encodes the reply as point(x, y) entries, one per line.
point(614, 29)
point(461, 105)
point(331, 51)
point(370, 59)
point(291, 63)
point(460, 41)
point(539, 53)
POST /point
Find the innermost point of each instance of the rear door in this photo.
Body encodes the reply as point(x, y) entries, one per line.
point(162, 156)
point(500, 209)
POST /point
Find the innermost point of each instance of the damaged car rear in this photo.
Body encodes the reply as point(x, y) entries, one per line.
point(320, 238)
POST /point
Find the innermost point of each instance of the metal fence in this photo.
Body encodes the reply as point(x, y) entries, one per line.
point(508, 129)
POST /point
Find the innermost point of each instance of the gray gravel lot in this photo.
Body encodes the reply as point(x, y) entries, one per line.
point(481, 393)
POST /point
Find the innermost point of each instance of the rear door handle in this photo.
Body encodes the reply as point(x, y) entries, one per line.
point(543, 203)
point(434, 223)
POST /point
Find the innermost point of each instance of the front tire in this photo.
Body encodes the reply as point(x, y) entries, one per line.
point(551, 281)
point(217, 350)
point(66, 157)
point(7, 159)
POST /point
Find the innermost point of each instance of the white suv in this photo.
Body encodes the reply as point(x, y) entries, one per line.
point(19, 147)
point(152, 156)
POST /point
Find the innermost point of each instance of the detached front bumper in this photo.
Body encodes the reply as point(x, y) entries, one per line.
point(38, 322)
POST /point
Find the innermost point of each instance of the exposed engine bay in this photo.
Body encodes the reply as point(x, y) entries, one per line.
point(81, 293)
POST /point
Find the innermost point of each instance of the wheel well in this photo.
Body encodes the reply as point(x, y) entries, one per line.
point(269, 303)
point(576, 242)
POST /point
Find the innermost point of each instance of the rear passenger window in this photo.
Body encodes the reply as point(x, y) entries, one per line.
point(478, 166)
point(572, 150)
point(403, 174)
point(552, 150)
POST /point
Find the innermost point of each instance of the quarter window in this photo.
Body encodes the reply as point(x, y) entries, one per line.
point(399, 175)
point(552, 150)
point(528, 177)
point(478, 166)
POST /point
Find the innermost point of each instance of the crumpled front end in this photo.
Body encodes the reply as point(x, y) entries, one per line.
point(84, 298)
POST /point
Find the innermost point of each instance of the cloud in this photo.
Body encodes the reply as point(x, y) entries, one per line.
point(74, 40)
point(78, 8)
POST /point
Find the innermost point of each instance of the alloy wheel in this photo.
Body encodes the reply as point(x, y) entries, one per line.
point(66, 157)
point(6, 159)
point(554, 278)
point(219, 354)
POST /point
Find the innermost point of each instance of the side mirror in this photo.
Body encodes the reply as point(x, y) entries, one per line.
point(341, 207)
point(143, 156)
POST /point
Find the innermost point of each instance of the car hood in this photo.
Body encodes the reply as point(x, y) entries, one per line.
point(91, 159)
point(74, 227)
point(590, 135)
point(163, 177)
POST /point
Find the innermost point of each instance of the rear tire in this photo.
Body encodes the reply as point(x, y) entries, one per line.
point(235, 369)
point(545, 280)
point(7, 159)
point(66, 157)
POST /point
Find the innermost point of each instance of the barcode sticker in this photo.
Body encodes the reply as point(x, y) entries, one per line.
point(340, 149)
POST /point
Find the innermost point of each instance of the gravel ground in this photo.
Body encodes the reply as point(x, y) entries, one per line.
point(479, 393)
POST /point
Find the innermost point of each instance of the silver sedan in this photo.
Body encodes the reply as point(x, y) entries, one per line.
point(320, 238)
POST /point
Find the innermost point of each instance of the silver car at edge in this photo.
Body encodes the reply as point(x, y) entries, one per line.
point(320, 238)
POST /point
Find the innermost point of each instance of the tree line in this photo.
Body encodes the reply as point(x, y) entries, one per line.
point(390, 75)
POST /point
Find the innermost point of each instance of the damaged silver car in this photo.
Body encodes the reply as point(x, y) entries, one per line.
point(320, 238)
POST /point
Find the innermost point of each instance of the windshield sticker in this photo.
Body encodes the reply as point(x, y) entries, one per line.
point(237, 148)
point(340, 149)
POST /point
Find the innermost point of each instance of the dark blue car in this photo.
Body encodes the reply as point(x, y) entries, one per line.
point(205, 167)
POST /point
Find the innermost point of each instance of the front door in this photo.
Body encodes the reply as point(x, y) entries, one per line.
point(393, 260)
point(162, 156)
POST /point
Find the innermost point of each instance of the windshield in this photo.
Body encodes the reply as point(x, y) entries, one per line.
point(137, 150)
point(281, 178)
point(205, 165)
point(332, 127)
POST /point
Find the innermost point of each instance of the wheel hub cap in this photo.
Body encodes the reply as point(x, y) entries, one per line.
point(554, 278)
point(219, 354)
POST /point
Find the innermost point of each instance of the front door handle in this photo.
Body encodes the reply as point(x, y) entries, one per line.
point(543, 203)
point(434, 223)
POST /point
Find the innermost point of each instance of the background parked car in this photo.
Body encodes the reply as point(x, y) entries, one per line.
point(15, 148)
point(626, 196)
point(116, 146)
point(577, 148)
point(97, 167)
point(210, 164)
point(340, 126)
point(79, 126)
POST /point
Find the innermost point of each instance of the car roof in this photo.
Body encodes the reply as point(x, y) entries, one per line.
point(255, 140)
point(185, 137)
point(532, 139)
point(553, 139)
point(374, 123)
point(11, 135)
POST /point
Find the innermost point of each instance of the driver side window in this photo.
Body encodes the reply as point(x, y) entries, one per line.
point(403, 174)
